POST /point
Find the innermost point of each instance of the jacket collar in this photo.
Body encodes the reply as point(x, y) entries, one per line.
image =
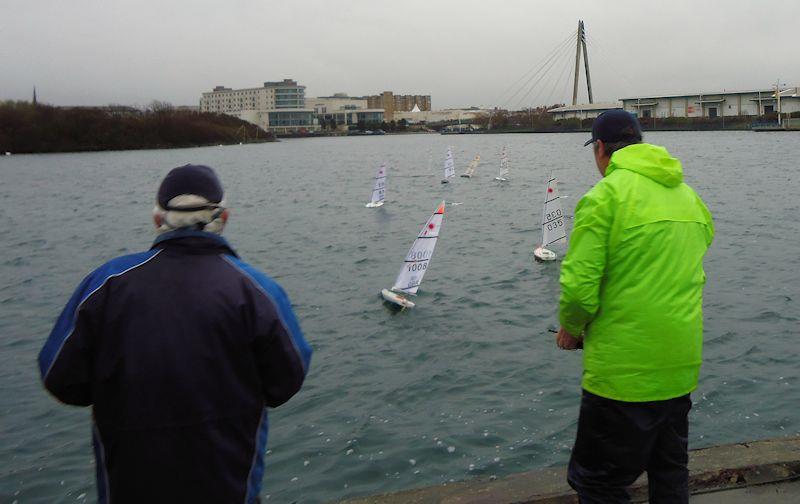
point(195, 238)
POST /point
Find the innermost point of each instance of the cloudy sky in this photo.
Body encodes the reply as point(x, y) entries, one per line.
point(483, 53)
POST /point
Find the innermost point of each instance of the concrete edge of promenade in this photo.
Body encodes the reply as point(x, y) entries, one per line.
point(714, 469)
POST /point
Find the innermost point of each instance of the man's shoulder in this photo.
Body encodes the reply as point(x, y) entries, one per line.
point(604, 191)
point(258, 278)
point(123, 264)
point(112, 268)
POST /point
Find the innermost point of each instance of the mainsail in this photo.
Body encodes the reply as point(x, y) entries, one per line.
point(449, 165)
point(418, 258)
point(552, 217)
point(472, 165)
point(504, 166)
point(379, 189)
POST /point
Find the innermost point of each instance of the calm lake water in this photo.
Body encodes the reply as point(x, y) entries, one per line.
point(468, 384)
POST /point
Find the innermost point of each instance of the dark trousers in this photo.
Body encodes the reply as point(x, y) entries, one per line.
point(617, 441)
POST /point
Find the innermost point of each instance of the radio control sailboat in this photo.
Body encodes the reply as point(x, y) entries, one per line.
point(470, 171)
point(553, 228)
point(416, 262)
point(505, 167)
point(379, 189)
point(449, 167)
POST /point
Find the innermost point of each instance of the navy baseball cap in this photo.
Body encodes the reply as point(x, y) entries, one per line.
point(198, 180)
point(615, 126)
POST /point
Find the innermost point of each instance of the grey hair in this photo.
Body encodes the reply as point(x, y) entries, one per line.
point(206, 219)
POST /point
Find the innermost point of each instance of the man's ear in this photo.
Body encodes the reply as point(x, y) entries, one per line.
point(158, 220)
point(224, 216)
point(601, 148)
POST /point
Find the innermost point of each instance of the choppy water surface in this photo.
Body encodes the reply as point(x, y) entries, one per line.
point(468, 384)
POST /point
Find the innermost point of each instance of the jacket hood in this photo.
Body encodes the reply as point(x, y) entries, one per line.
point(652, 161)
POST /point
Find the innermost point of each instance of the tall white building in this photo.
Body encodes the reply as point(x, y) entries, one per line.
point(278, 107)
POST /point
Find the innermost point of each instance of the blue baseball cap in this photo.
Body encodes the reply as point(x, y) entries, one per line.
point(615, 126)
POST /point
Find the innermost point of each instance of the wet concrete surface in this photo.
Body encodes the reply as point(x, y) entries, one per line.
point(759, 471)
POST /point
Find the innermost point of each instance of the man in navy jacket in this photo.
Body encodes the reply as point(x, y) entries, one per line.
point(179, 350)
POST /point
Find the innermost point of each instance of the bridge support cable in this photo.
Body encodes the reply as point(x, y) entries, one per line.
point(561, 84)
point(542, 72)
point(532, 73)
point(553, 86)
point(560, 56)
point(599, 52)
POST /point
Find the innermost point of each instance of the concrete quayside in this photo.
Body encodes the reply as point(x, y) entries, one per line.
point(758, 471)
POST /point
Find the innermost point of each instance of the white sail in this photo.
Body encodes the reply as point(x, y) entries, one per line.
point(472, 165)
point(552, 217)
point(505, 168)
point(449, 165)
point(419, 256)
point(379, 189)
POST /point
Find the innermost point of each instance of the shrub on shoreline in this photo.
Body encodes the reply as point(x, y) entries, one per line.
point(37, 128)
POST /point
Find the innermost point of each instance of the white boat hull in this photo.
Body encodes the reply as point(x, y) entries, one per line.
point(501, 179)
point(396, 298)
point(374, 205)
point(542, 254)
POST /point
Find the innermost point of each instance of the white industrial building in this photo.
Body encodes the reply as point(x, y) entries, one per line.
point(714, 104)
point(278, 107)
point(585, 111)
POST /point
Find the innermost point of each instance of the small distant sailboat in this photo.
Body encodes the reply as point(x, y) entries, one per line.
point(379, 189)
point(505, 167)
point(471, 168)
point(416, 263)
point(553, 228)
point(449, 166)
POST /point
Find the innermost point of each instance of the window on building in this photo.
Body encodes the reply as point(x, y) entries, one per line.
point(769, 109)
point(713, 112)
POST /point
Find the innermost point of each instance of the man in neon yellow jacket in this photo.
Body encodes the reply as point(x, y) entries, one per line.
point(631, 296)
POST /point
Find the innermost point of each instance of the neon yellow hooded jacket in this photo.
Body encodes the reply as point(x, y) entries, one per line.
point(633, 278)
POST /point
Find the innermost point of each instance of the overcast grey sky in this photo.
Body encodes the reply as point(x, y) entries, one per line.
point(462, 52)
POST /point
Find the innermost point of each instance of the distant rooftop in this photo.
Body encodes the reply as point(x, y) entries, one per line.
point(768, 92)
point(283, 83)
point(587, 106)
